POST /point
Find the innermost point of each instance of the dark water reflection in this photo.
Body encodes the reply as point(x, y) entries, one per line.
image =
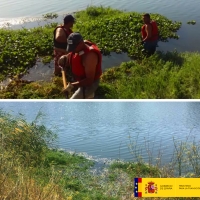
point(44, 72)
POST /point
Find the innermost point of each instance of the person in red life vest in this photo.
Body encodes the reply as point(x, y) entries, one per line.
point(61, 34)
point(149, 34)
point(85, 61)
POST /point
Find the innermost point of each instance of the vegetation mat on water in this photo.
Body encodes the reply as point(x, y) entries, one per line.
point(20, 48)
point(118, 31)
point(113, 30)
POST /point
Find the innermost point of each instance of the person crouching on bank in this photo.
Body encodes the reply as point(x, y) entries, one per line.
point(85, 61)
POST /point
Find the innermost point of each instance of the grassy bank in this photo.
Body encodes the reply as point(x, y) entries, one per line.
point(29, 169)
point(169, 75)
point(164, 75)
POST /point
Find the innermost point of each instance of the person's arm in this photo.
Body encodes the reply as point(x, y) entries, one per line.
point(64, 61)
point(148, 31)
point(90, 64)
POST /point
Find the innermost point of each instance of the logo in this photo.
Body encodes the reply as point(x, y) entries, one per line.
point(70, 41)
point(151, 188)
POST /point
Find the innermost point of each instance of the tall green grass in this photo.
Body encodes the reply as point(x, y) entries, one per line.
point(168, 75)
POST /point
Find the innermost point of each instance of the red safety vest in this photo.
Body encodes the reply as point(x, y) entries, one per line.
point(154, 31)
point(78, 70)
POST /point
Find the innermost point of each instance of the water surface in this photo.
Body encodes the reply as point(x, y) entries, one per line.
point(106, 129)
point(15, 11)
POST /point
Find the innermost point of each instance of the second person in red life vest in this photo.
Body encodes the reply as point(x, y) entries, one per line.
point(85, 60)
point(61, 34)
point(149, 34)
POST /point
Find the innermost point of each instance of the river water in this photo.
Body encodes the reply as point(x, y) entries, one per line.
point(15, 11)
point(104, 130)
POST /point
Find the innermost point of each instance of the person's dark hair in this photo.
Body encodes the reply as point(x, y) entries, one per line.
point(68, 18)
point(147, 15)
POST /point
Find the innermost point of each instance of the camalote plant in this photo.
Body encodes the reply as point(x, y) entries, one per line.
point(112, 30)
point(20, 48)
point(50, 16)
point(193, 22)
point(116, 31)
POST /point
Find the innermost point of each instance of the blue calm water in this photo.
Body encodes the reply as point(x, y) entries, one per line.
point(177, 10)
point(106, 129)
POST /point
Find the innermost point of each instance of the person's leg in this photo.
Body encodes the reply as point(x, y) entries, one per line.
point(146, 48)
point(153, 46)
point(87, 92)
point(150, 47)
point(152, 51)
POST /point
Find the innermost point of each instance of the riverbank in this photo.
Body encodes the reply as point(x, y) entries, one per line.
point(106, 27)
point(32, 167)
point(163, 76)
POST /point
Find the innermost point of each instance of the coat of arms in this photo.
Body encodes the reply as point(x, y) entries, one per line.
point(151, 188)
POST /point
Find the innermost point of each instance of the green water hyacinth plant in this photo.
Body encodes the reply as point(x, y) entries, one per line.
point(20, 48)
point(191, 22)
point(116, 31)
point(50, 16)
point(112, 30)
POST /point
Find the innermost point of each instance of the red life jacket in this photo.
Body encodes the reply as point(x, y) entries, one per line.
point(77, 68)
point(58, 44)
point(154, 31)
